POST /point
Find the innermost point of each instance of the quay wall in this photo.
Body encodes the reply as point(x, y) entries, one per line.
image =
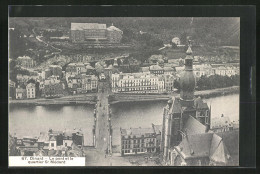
point(121, 97)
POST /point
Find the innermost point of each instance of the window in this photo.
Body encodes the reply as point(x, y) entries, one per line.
point(65, 144)
point(52, 144)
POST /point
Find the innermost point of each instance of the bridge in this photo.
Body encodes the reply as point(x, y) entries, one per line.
point(102, 129)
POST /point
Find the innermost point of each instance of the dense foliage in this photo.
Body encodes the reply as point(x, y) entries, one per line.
point(217, 81)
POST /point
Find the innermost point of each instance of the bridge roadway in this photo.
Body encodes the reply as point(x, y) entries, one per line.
point(102, 116)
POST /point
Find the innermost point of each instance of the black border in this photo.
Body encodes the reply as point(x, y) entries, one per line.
point(248, 57)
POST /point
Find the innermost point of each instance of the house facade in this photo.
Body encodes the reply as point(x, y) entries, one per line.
point(140, 140)
point(31, 91)
point(25, 62)
point(20, 93)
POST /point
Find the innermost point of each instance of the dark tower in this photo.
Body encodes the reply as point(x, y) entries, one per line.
point(187, 80)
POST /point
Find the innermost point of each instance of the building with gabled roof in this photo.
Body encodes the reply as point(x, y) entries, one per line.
point(200, 150)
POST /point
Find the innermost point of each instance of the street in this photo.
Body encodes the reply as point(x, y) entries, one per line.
point(102, 124)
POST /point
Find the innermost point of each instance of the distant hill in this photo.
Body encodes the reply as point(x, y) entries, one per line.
point(218, 31)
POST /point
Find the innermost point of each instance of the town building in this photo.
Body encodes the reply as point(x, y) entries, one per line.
point(169, 70)
point(31, 91)
point(176, 41)
point(169, 82)
point(82, 83)
point(135, 83)
point(156, 69)
point(203, 70)
point(114, 34)
point(226, 70)
point(25, 62)
point(12, 93)
point(58, 143)
point(140, 140)
point(180, 110)
point(95, 33)
point(56, 70)
point(23, 79)
point(20, 93)
point(53, 88)
point(221, 124)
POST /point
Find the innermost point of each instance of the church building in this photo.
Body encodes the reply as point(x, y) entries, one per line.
point(182, 114)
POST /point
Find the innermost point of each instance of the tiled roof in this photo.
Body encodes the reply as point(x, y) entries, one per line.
point(20, 90)
point(204, 145)
point(86, 26)
point(221, 154)
point(43, 137)
point(157, 128)
point(155, 67)
point(137, 131)
point(25, 57)
point(113, 28)
point(30, 85)
point(176, 106)
point(168, 68)
point(193, 126)
point(194, 146)
point(231, 141)
point(52, 139)
point(145, 69)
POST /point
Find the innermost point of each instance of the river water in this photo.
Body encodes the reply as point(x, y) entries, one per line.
point(31, 120)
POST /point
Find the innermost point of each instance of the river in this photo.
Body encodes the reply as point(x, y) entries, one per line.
point(30, 120)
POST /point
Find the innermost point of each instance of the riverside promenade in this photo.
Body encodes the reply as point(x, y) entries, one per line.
point(123, 97)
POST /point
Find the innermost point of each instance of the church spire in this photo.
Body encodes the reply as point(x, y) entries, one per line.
point(187, 79)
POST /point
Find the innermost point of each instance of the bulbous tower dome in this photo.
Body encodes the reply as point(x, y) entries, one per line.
point(187, 78)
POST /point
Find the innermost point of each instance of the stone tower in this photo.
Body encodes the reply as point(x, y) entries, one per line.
point(187, 80)
point(180, 109)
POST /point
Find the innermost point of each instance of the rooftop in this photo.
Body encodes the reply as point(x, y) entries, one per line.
point(193, 126)
point(137, 131)
point(87, 26)
point(113, 28)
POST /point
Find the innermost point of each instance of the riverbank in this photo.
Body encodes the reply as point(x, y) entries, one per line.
point(67, 100)
point(117, 98)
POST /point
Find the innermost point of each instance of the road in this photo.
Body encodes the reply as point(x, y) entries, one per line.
point(102, 116)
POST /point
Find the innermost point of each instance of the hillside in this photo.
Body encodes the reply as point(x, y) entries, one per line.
point(208, 33)
point(223, 30)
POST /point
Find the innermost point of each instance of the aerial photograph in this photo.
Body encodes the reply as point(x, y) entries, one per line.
point(124, 91)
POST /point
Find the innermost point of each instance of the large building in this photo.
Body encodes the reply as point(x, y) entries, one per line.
point(95, 33)
point(178, 112)
point(140, 140)
point(137, 83)
point(25, 62)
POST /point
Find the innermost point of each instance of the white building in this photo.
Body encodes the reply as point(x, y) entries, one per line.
point(31, 91)
point(226, 70)
point(176, 41)
point(135, 83)
point(145, 82)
